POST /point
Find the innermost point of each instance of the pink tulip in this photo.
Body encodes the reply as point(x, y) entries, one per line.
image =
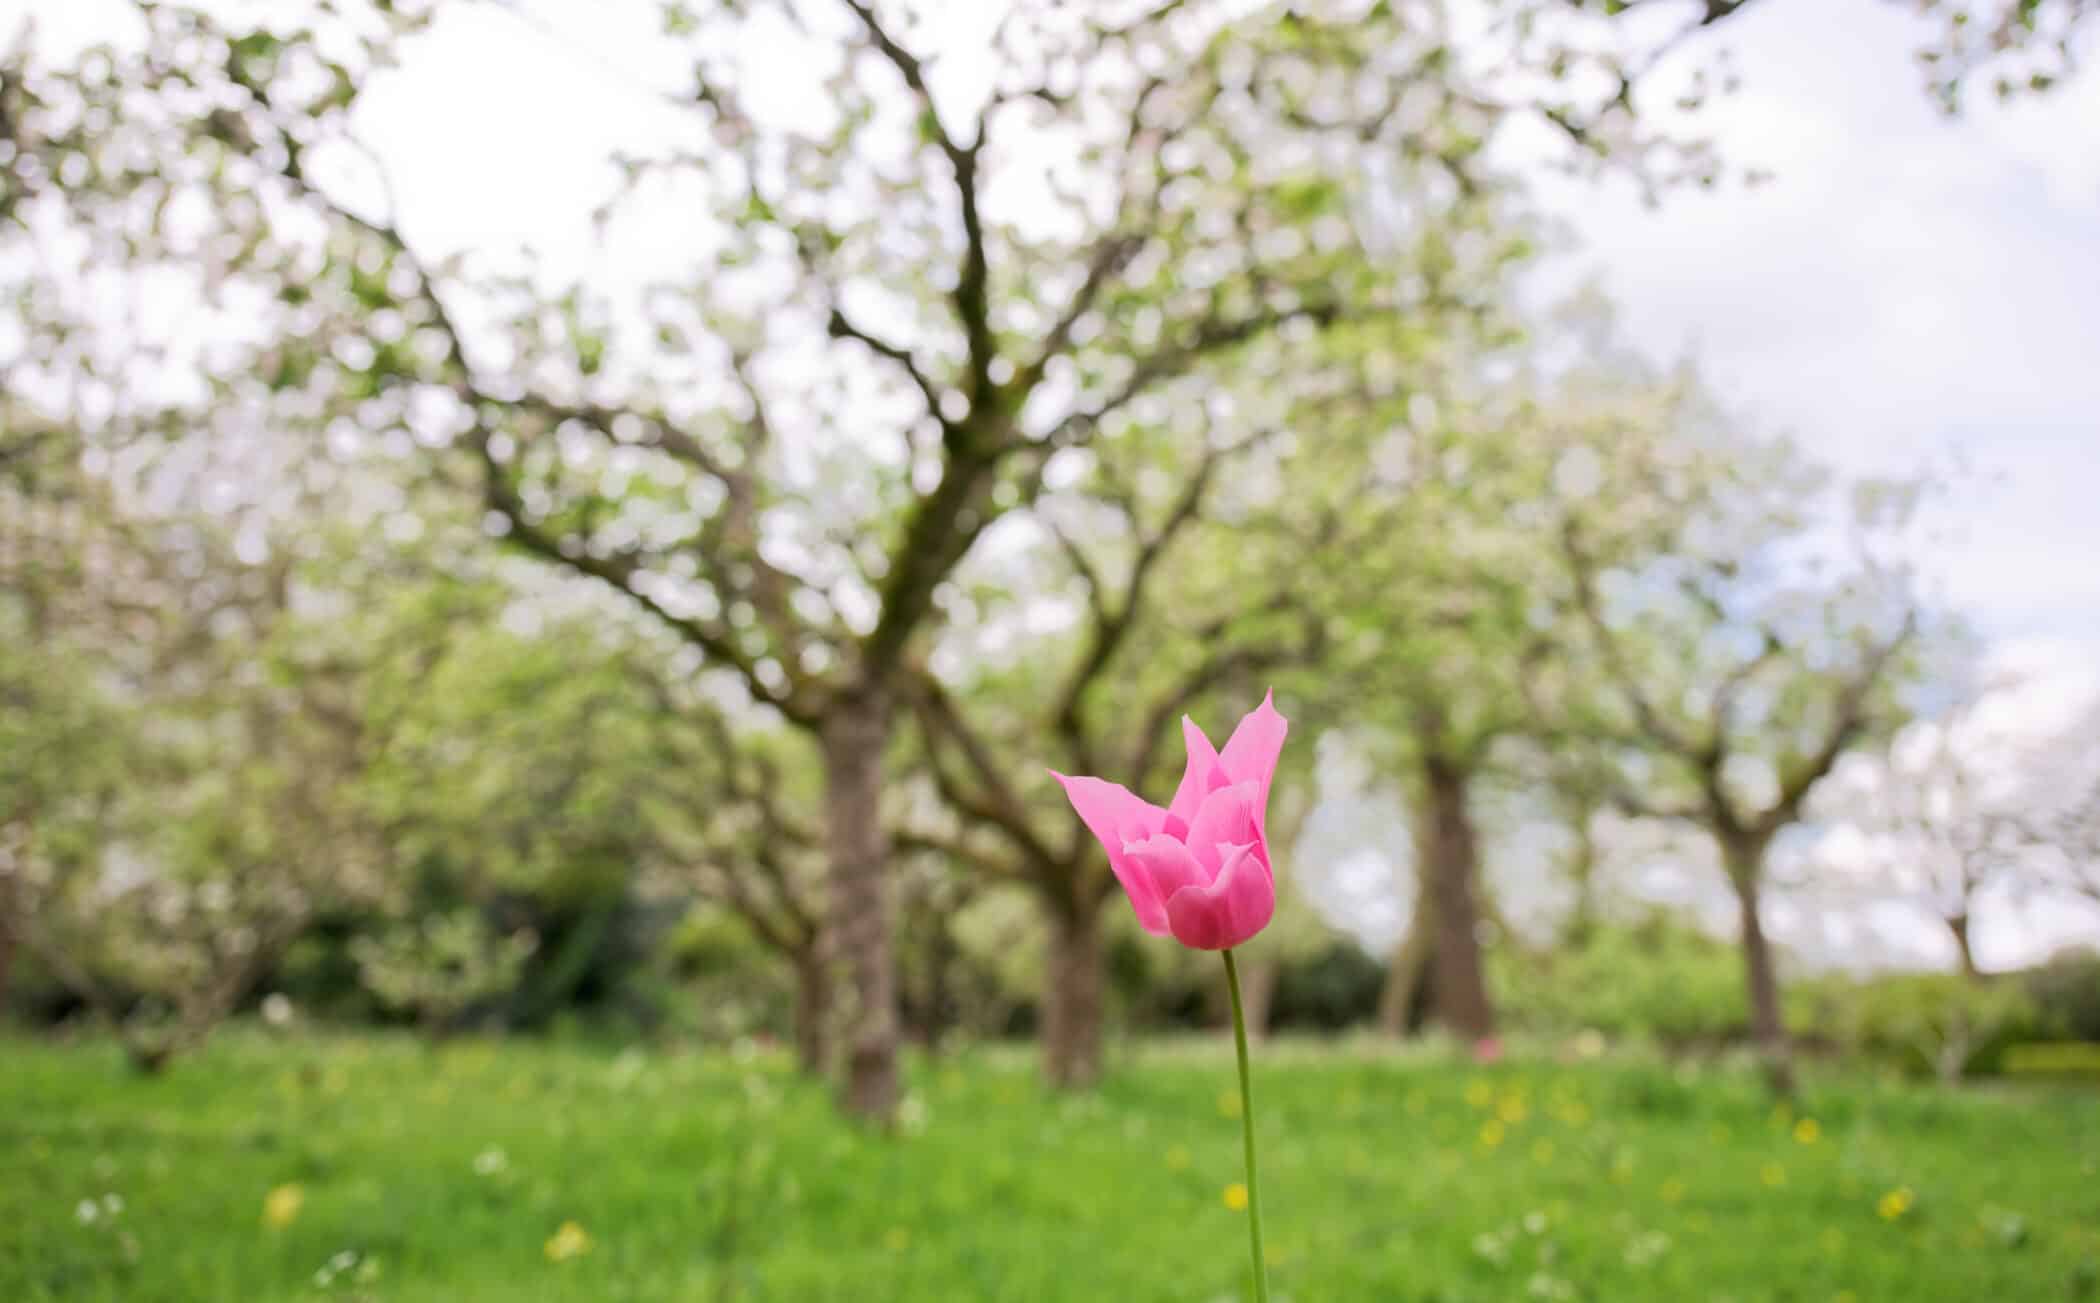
point(1200, 868)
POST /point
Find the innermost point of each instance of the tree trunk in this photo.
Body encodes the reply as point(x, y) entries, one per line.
point(1745, 859)
point(1073, 981)
point(1959, 926)
point(855, 736)
point(1450, 861)
point(1410, 962)
point(813, 1011)
point(9, 942)
point(940, 956)
point(1581, 925)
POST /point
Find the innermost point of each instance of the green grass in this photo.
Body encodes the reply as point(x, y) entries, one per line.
point(701, 1177)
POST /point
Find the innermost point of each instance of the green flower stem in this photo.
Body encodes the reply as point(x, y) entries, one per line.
point(1239, 1041)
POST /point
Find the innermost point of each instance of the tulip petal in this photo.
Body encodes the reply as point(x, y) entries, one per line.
point(1198, 779)
point(1228, 911)
point(1251, 752)
point(1153, 870)
point(1230, 816)
point(1116, 816)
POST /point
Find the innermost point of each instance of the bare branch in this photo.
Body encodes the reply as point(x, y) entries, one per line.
point(1849, 718)
point(1210, 336)
point(840, 327)
point(1652, 722)
point(972, 293)
point(992, 801)
point(1112, 625)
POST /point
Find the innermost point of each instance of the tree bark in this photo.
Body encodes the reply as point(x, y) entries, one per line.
point(1958, 925)
point(813, 1011)
point(1403, 975)
point(1581, 924)
point(855, 735)
point(1073, 988)
point(1745, 861)
point(10, 943)
point(937, 1015)
point(1450, 862)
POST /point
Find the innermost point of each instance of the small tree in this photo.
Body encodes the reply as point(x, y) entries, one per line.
point(1707, 655)
point(2058, 828)
point(184, 814)
point(1176, 606)
point(1935, 818)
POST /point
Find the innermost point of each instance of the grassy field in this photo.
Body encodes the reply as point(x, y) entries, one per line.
point(381, 1169)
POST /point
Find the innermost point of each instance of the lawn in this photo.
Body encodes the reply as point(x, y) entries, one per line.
point(379, 1168)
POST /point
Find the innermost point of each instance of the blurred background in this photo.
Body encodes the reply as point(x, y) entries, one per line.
point(547, 549)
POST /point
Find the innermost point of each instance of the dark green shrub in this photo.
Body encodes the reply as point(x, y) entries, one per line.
point(2066, 988)
point(1327, 991)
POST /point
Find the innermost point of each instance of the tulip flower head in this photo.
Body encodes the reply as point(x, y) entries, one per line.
point(1198, 869)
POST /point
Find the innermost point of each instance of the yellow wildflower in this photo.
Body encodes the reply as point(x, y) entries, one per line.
point(281, 1206)
point(1236, 1197)
point(1773, 1175)
point(1491, 1132)
point(1229, 1103)
point(1896, 1203)
point(1807, 1131)
point(569, 1240)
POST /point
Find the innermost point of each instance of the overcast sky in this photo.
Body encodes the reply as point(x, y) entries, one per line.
point(1906, 287)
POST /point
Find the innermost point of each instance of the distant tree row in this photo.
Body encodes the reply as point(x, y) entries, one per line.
point(969, 436)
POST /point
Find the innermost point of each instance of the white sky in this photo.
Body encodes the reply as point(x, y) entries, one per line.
point(1908, 287)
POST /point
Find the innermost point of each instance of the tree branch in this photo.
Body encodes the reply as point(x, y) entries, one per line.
point(1848, 719)
point(1650, 717)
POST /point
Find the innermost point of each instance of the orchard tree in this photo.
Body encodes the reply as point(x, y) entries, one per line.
point(1178, 599)
point(2058, 829)
point(1432, 624)
point(1935, 819)
point(1727, 630)
point(182, 811)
